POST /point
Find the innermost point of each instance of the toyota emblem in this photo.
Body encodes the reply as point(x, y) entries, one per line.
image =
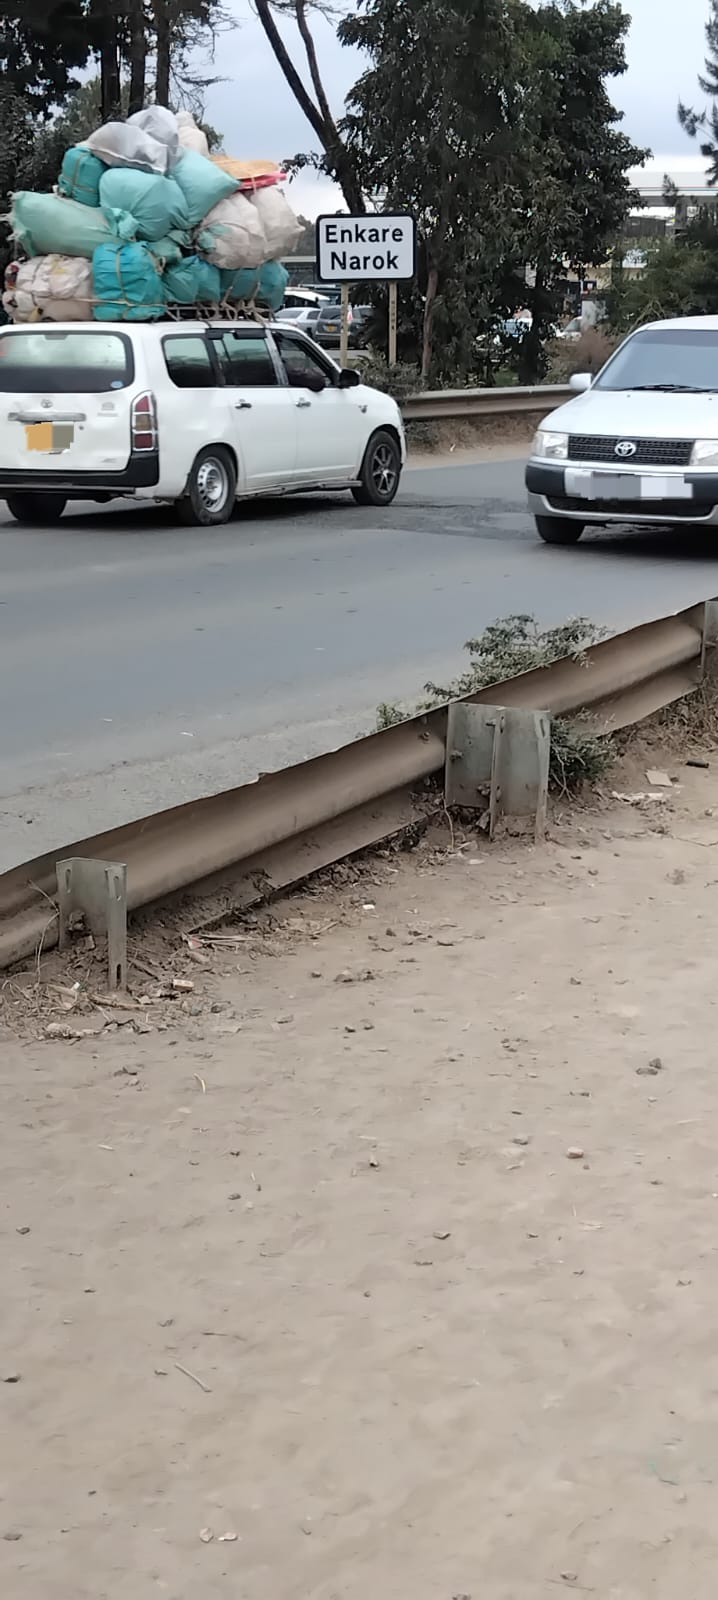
point(625, 448)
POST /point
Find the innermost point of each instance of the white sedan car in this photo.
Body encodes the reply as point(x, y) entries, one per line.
point(201, 414)
point(639, 444)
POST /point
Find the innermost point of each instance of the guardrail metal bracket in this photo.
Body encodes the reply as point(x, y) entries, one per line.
point(97, 889)
point(497, 761)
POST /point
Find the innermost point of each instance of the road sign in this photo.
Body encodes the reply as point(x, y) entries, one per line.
point(371, 249)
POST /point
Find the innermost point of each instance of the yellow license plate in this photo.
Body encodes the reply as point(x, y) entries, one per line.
point(39, 436)
point(49, 436)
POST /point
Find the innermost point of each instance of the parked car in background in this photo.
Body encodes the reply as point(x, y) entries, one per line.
point(327, 329)
point(299, 316)
point(639, 443)
point(571, 331)
point(301, 298)
point(362, 318)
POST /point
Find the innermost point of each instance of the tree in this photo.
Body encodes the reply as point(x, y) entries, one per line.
point(490, 121)
point(706, 122)
point(43, 43)
point(435, 125)
point(681, 275)
point(336, 159)
point(576, 194)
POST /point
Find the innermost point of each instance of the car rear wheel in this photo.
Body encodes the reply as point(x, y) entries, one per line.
point(554, 530)
point(42, 509)
point(211, 491)
point(380, 471)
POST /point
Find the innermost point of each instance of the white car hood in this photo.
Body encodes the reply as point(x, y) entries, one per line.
point(638, 415)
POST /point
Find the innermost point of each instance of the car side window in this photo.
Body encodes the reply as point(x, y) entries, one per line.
point(189, 362)
point(246, 361)
point(299, 361)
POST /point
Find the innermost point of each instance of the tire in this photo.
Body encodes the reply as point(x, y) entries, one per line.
point(211, 492)
point(554, 530)
point(380, 471)
point(42, 509)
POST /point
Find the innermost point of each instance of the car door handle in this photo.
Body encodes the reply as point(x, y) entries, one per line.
point(242, 405)
point(302, 404)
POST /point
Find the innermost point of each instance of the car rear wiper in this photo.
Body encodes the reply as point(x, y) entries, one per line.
point(670, 388)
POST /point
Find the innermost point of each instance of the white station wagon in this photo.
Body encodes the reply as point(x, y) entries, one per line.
point(196, 413)
point(639, 444)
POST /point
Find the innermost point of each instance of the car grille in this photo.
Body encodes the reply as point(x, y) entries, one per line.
point(677, 510)
point(649, 452)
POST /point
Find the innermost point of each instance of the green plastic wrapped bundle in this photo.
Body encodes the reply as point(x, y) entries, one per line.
point(142, 205)
point(167, 251)
point(80, 175)
point(46, 224)
point(193, 281)
point(202, 183)
point(127, 284)
point(266, 285)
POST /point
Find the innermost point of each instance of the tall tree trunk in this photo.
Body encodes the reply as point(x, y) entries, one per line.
point(110, 97)
point(339, 161)
point(427, 349)
point(531, 343)
point(137, 56)
point(163, 34)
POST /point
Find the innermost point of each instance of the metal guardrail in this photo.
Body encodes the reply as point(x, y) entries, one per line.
point(249, 842)
point(438, 403)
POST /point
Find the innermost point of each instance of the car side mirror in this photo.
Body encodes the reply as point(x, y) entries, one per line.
point(580, 382)
point(349, 378)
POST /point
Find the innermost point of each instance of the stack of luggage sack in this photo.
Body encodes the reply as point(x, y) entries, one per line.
point(144, 220)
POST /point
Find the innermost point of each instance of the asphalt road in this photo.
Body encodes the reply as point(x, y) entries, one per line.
point(142, 664)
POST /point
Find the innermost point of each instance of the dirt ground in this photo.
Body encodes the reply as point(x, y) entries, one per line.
point(399, 1267)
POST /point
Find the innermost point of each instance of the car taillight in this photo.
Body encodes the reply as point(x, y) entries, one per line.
point(143, 423)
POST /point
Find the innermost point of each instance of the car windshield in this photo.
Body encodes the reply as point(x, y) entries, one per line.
point(674, 360)
point(330, 314)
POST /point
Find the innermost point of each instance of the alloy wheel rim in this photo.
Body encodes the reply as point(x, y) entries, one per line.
point(383, 470)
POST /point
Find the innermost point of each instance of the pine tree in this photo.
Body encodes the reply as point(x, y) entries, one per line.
point(705, 123)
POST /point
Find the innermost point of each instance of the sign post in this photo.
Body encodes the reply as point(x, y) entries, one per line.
point(369, 249)
point(393, 320)
point(344, 336)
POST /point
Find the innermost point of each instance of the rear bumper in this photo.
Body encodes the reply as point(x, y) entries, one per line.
point(142, 472)
point(546, 484)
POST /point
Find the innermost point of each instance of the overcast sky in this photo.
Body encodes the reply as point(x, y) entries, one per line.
point(258, 116)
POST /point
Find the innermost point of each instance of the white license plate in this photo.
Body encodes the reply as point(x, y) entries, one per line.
point(583, 484)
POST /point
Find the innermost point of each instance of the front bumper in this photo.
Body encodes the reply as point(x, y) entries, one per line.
point(548, 496)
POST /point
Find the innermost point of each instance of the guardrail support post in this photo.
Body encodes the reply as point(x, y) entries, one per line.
point(97, 889)
point(497, 760)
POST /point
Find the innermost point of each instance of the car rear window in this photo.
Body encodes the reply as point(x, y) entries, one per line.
point(50, 361)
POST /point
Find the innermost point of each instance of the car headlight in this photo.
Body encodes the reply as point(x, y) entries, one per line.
point(553, 445)
point(705, 453)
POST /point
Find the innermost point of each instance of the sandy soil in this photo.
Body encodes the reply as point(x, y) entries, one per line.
point(441, 1353)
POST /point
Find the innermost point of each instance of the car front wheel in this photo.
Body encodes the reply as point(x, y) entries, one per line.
point(211, 489)
point(554, 530)
point(42, 509)
point(380, 471)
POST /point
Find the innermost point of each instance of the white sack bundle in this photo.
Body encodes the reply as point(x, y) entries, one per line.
point(281, 228)
point(232, 235)
point(53, 286)
point(124, 144)
point(190, 136)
